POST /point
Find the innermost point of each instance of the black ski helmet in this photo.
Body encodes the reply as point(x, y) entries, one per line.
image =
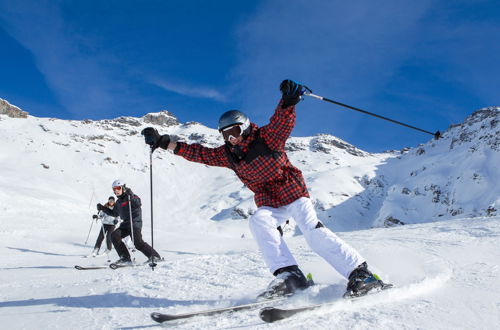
point(233, 117)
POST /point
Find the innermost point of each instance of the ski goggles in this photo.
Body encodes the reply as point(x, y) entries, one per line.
point(231, 132)
point(117, 188)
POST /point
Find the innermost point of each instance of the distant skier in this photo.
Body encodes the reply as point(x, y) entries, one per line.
point(258, 157)
point(108, 225)
point(128, 204)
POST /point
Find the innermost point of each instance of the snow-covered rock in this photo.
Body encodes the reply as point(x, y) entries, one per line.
point(11, 110)
point(455, 176)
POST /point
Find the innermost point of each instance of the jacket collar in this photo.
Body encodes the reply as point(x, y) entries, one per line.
point(247, 140)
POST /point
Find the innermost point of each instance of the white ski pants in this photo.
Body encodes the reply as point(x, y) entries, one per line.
point(325, 243)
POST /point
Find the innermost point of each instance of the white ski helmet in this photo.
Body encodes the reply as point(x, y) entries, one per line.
point(118, 183)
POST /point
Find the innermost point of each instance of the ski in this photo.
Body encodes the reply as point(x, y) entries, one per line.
point(90, 268)
point(272, 314)
point(114, 265)
point(160, 317)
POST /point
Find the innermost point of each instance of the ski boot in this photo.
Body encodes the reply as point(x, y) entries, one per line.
point(288, 280)
point(152, 261)
point(156, 259)
point(123, 261)
point(362, 281)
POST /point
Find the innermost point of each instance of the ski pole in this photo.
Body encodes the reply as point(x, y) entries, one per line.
point(131, 222)
point(308, 92)
point(92, 223)
point(88, 235)
point(105, 238)
point(152, 264)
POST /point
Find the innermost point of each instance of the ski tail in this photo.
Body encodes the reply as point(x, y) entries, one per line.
point(160, 317)
point(272, 314)
point(90, 268)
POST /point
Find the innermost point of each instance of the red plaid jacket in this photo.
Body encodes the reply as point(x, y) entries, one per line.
point(274, 180)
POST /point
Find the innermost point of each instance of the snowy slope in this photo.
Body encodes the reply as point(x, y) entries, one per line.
point(453, 177)
point(447, 277)
point(53, 172)
point(82, 158)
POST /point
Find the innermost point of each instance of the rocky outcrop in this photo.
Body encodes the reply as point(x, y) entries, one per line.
point(326, 143)
point(162, 118)
point(11, 110)
point(481, 127)
point(456, 175)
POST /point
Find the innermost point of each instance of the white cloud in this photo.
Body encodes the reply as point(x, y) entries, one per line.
point(188, 90)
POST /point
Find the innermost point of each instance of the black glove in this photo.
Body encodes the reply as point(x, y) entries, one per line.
point(291, 92)
point(95, 216)
point(128, 192)
point(99, 207)
point(154, 139)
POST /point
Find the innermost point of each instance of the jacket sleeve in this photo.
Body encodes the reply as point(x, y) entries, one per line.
point(112, 212)
point(136, 201)
point(197, 153)
point(279, 128)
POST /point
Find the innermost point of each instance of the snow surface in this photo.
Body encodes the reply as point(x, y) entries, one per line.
point(444, 265)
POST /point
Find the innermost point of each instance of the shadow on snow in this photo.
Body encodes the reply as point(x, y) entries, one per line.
point(109, 300)
point(43, 252)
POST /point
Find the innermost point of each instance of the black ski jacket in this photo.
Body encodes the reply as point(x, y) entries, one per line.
point(122, 209)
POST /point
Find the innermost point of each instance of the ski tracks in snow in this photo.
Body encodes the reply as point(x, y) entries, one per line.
point(445, 276)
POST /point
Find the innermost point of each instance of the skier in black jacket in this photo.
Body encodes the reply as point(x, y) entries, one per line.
point(126, 205)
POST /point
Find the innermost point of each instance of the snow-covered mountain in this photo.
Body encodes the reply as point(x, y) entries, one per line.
point(53, 172)
point(88, 155)
point(455, 176)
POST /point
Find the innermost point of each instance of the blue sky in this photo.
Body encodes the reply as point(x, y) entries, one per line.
point(426, 63)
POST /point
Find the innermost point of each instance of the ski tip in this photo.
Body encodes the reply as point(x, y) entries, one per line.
point(90, 267)
point(156, 317)
point(270, 314)
point(160, 318)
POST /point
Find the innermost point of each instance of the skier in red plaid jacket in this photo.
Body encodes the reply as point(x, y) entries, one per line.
point(273, 179)
point(258, 157)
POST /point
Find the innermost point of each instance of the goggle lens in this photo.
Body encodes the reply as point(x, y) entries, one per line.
point(231, 132)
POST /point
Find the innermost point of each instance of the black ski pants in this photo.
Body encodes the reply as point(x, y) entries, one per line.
point(108, 230)
point(121, 248)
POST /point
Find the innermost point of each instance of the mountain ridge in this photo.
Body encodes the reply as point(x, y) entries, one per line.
point(351, 188)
